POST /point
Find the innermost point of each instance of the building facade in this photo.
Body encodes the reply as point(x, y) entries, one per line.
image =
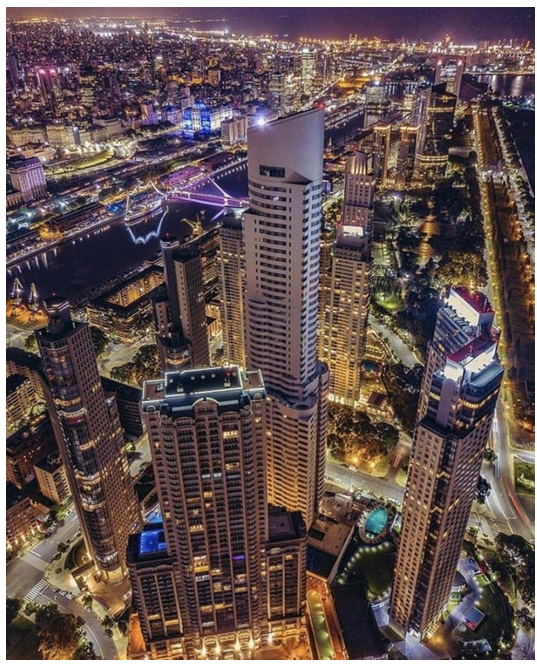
point(52, 479)
point(434, 117)
point(458, 397)
point(21, 524)
point(88, 431)
point(207, 433)
point(346, 284)
point(282, 230)
point(231, 261)
point(28, 176)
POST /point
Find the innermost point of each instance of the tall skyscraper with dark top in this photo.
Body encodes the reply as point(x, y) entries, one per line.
point(282, 233)
point(434, 117)
point(458, 397)
point(345, 286)
point(89, 435)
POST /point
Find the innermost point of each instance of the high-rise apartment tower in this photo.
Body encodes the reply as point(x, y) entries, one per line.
point(89, 435)
point(458, 397)
point(282, 230)
point(345, 286)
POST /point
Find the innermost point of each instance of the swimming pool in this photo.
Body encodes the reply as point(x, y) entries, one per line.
point(376, 522)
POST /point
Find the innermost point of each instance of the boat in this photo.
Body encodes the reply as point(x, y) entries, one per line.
point(143, 213)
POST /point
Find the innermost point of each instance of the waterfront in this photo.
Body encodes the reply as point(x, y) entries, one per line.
point(75, 267)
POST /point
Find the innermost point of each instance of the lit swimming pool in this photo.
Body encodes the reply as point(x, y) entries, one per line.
point(376, 522)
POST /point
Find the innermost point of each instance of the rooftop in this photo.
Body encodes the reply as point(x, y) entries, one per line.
point(182, 389)
point(476, 299)
point(14, 381)
point(23, 357)
point(202, 381)
point(328, 536)
point(148, 545)
point(13, 495)
point(152, 541)
point(472, 350)
point(285, 525)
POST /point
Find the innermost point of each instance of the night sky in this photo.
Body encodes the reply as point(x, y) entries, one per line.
point(466, 25)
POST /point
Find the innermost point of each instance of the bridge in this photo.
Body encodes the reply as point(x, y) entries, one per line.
point(219, 200)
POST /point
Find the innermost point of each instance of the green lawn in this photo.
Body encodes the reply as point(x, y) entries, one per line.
point(370, 564)
point(22, 640)
point(525, 478)
point(494, 604)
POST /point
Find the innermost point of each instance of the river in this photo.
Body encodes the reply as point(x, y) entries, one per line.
point(506, 85)
point(74, 267)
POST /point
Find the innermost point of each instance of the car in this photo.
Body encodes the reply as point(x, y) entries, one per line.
point(69, 595)
point(63, 593)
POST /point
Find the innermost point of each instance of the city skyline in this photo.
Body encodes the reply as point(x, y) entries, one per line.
point(384, 23)
point(271, 331)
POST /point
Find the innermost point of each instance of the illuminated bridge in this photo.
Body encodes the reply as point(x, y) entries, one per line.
point(220, 199)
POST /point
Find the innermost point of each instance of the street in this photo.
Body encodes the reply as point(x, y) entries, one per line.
point(25, 580)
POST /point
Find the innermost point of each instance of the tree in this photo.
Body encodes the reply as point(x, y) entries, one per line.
point(107, 622)
point(87, 600)
point(13, 607)
point(525, 619)
point(482, 490)
point(85, 651)
point(59, 638)
point(490, 455)
point(45, 614)
point(30, 344)
point(99, 339)
point(31, 607)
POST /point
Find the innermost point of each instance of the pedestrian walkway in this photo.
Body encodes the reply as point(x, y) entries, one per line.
point(39, 587)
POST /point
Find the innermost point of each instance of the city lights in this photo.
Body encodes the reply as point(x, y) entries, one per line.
point(270, 333)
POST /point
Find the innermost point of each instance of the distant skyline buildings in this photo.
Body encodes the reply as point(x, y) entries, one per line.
point(465, 25)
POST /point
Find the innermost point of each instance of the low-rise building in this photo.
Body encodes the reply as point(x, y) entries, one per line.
point(19, 400)
point(128, 399)
point(120, 310)
point(21, 523)
point(25, 447)
point(52, 480)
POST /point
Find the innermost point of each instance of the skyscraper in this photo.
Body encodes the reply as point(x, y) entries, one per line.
point(458, 397)
point(231, 260)
point(451, 73)
point(225, 573)
point(181, 321)
point(345, 286)
point(87, 429)
point(381, 152)
point(434, 117)
point(405, 155)
point(282, 230)
point(207, 431)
